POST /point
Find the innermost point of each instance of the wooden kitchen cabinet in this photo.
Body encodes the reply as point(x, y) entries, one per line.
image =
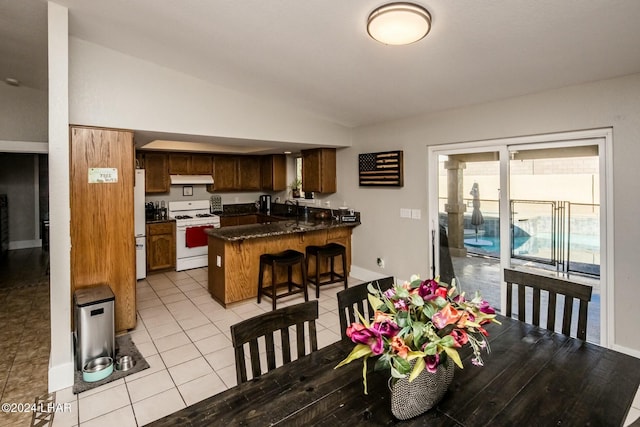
point(319, 170)
point(236, 173)
point(249, 173)
point(103, 247)
point(156, 167)
point(190, 164)
point(274, 172)
point(161, 246)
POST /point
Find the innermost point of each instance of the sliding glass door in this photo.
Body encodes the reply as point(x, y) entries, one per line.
point(530, 202)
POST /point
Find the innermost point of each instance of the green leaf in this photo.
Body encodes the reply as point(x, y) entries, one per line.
point(431, 349)
point(360, 350)
point(429, 310)
point(417, 369)
point(383, 363)
point(375, 301)
point(395, 373)
point(402, 293)
point(415, 354)
point(417, 300)
point(447, 341)
point(453, 354)
point(364, 374)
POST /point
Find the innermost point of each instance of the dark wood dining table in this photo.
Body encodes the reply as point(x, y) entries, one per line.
point(532, 377)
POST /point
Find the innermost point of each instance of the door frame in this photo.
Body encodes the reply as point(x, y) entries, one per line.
point(603, 138)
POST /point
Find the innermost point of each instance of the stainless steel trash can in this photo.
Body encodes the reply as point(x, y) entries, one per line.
point(94, 324)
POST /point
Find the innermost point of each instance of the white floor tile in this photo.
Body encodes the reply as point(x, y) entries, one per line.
point(213, 343)
point(66, 395)
point(189, 371)
point(189, 286)
point(195, 293)
point(168, 291)
point(172, 341)
point(155, 365)
point(633, 415)
point(164, 330)
point(158, 406)
point(159, 320)
point(147, 349)
point(228, 376)
point(173, 298)
point(198, 319)
point(100, 389)
point(201, 332)
point(122, 417)
point(180, 355)
point(201, 388)
point(150, 385)
point(221, 358)
point(202, 299)
point(327, 337)
point(68, 416)
point(102, 403)
point(140, 336)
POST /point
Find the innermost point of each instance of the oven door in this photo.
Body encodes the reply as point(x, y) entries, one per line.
point(182, 250)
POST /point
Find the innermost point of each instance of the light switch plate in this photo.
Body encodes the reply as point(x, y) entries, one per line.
point(218, 260)
point(405, 213)
point(416, 213)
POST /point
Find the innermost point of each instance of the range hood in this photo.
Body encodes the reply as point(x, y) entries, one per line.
point(191, 179)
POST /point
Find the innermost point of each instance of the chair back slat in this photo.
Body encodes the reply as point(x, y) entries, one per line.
point(263, 326)
point(553, 287)
point(357, 297)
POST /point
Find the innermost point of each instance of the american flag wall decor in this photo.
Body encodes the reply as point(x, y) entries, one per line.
point(381, 169)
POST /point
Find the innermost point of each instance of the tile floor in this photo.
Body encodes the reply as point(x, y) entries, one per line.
point(184, 335)
point(182, 332)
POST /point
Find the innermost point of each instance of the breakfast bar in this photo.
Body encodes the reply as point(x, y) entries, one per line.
point(234, 252)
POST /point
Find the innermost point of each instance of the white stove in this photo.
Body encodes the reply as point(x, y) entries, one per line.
point(191, 242)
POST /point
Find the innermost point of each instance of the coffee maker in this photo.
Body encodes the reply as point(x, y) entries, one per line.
point(264, 204)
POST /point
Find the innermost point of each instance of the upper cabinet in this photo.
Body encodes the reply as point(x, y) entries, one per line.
point(156, 166)
point(319, 170)
point(274, 172)
point(236, 173)
point(190, 164)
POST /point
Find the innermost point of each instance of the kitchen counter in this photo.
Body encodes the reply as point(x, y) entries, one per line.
point(234, 252)
point(159, 221)
point(275, 228)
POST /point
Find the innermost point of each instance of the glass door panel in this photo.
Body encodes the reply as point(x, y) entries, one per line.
point(469, 222)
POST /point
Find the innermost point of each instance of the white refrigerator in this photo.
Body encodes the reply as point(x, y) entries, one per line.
point(140, 225)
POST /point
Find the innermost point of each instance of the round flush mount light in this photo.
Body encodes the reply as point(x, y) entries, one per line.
point(399, 23)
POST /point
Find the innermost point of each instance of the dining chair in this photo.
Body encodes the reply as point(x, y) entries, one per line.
point(265, 326)
point(355, 297)
point(554, 287)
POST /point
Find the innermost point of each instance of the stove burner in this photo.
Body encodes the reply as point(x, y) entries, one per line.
point(183, 217)
point(204, 215)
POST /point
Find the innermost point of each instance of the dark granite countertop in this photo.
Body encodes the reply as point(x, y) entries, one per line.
point(278, 228)
point(158, 221)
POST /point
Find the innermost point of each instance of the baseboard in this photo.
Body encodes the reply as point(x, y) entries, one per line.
point(25, 244)
point(61, 376)
point(626, 350)
point(364, 274)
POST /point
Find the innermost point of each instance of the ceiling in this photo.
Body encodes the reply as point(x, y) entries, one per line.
point(316, 54)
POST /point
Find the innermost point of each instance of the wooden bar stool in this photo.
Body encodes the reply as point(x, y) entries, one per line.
point(289, 259)
point(331, 251)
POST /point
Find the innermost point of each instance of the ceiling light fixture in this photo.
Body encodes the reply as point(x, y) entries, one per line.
point(399, 23)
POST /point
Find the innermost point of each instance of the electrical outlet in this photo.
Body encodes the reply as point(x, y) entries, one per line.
point(380, 262)
point(405, 213)
point(218, 261)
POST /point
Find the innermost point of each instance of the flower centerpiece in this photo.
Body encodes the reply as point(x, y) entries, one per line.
point(419, 326)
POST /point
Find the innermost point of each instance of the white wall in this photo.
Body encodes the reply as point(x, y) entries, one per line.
point(108, 88)
point(23, 114)
point(404, 243)
point(61, 365)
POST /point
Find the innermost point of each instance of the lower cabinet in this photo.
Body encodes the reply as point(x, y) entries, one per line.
point(161, 246)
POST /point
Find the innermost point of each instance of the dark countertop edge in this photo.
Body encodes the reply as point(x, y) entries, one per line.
point(259, 231)
point(159, 221)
